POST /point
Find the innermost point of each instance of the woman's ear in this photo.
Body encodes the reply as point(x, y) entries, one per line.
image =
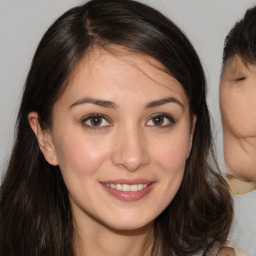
point(44, 139)
point(192, 129)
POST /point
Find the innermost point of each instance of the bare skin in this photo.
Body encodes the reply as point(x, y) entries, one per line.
point(124, 122)
point(226, 252)
point(238, 111)
point(104, 241)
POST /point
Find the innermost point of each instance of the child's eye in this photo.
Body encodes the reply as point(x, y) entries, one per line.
point(95, 121)
point(240, 78)
point(161, 119)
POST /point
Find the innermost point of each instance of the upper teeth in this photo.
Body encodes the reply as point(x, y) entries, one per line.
point(127, 187)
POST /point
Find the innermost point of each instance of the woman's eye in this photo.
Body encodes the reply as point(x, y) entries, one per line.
point(162, 120)
point(95, 121)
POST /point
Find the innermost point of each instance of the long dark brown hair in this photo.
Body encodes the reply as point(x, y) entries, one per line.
point(35, 214)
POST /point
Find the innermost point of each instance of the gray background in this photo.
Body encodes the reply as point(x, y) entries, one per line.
point(23, 22)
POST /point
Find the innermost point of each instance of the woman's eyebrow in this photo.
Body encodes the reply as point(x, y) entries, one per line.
point(98, 102)
point(110, 104)
point(163, 101)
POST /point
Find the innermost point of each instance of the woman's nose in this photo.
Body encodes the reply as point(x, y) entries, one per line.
point(130, 151)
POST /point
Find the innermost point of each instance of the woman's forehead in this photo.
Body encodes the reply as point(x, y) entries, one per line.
point(120, 63)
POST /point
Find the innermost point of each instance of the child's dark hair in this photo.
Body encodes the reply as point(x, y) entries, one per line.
point(241, 40)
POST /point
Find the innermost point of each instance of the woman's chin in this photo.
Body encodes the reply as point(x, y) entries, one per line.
point(130, 228)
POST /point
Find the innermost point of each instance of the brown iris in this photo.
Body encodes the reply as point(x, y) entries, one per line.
point(96, 120)
point(158, 120)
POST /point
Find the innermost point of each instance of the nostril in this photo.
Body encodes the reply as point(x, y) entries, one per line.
point(131, 161)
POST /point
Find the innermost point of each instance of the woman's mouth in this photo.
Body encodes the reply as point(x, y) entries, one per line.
point(126, 187)
point(128, 190)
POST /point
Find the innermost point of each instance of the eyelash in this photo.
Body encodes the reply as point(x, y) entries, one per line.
point(240, 79)
point(163, 116)
point(99, 116)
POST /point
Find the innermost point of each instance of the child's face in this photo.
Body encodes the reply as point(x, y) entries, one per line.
point(238, 110)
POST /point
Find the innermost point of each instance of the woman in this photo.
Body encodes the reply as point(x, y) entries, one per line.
point(113, 142)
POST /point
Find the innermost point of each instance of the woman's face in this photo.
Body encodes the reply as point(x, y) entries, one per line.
point(121, 135)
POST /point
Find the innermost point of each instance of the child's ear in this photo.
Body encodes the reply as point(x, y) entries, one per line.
point(192, 129)
point(44, 139)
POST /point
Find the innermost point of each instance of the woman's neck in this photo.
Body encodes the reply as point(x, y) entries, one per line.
point(97, 239)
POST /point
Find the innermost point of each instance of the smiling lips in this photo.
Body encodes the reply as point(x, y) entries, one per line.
point(127, 187)
point(128, 190)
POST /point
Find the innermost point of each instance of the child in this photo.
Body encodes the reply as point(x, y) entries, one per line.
point(238, 111)
point(237, 98)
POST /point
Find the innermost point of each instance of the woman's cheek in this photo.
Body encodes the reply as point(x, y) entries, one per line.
point(173, 149)
point(81, 155)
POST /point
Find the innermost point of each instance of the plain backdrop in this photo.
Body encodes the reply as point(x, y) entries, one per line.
point(23, 22)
